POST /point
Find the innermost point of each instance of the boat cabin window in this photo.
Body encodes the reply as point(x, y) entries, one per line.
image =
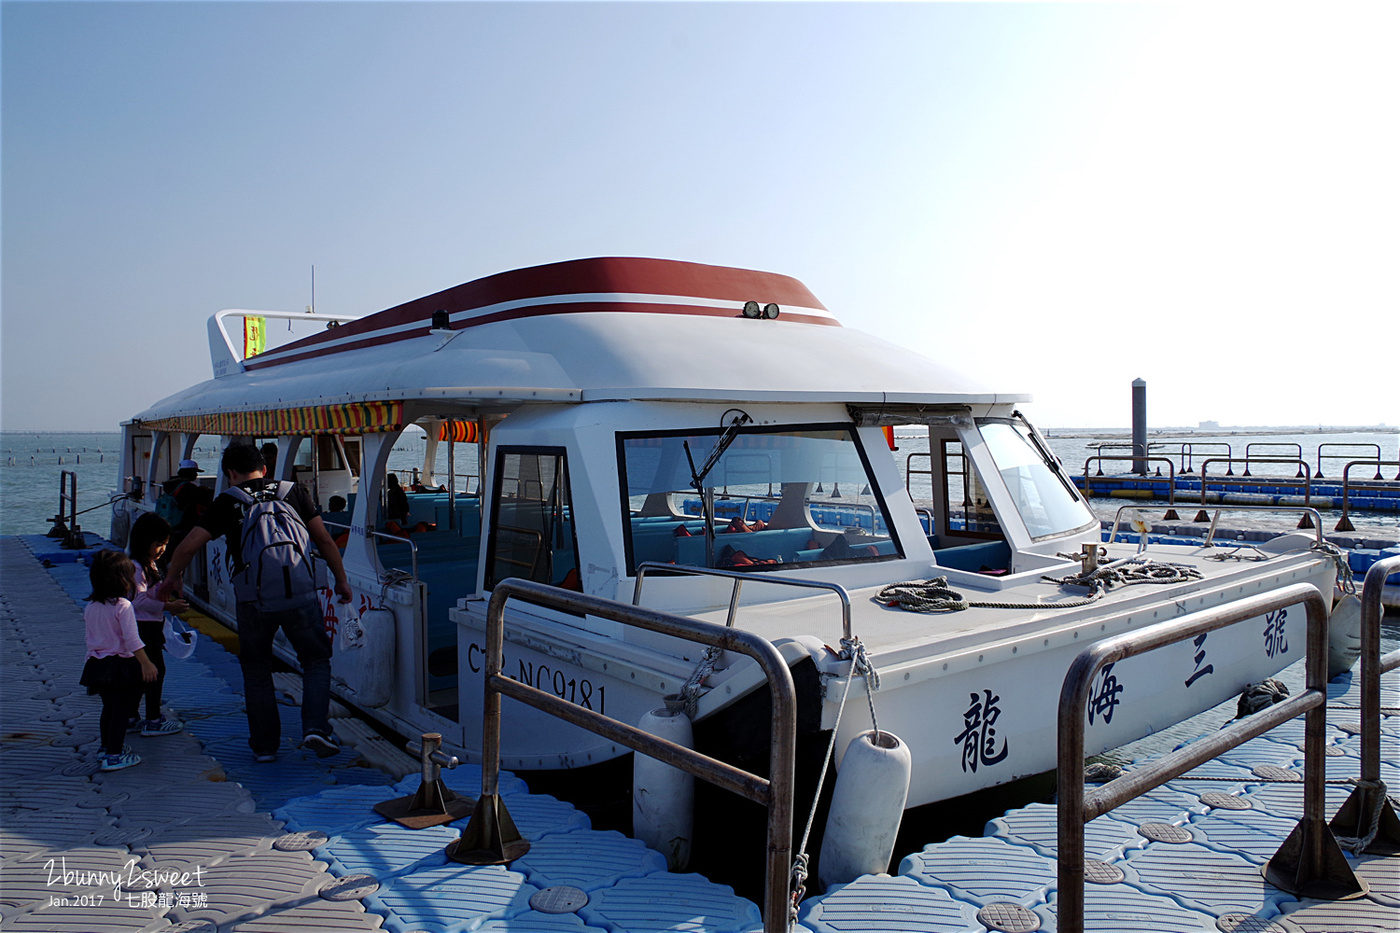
point(774, 497)
point(1048, 504)
point(532, 528)
point(969, 512)
point(324, 448)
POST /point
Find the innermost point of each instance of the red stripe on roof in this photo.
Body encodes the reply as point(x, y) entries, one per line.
point(579, 276)
point(297, 351)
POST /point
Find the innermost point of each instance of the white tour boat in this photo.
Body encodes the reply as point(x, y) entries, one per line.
point(624, 412)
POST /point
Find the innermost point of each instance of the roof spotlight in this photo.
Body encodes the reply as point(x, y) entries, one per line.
point(770, 311)
point(440, 320)
point(752, 310)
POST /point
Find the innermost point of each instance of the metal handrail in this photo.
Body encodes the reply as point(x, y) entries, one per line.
point(1356, 813)
point(1344, 524)
point(1076, 806)
point(746, 498)
point(932, 520)
point(774, 792)
point(1312, 513)
point(1344, 456)
point(1298, 448)
point(412, 547)
point(739, 577)
point(1171, 472)
point(1304, 473)
point(1372, 664)
point(910, 471)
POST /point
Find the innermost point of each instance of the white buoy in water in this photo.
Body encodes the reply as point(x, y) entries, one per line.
point(1343, 635)
point(866, 807)
point(663, 797)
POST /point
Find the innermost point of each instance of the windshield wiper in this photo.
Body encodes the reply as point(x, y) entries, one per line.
point(1047, 456)
point(697, 480)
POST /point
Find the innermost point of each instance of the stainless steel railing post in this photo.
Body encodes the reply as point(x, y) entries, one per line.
point(775, 792)
point(1311, 865)
point(1368, 801)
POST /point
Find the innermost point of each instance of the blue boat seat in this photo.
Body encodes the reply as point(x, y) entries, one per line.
point(973, 558)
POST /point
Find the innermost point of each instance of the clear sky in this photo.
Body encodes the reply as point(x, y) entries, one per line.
point(1061, 197)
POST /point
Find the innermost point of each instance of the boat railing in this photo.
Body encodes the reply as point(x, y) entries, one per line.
point(1344, 524)
point(1304, 474)
point(747, 500)
point(775, 792)
point(65, 523)
point(1256, 453)
point(1312, 519)
point(909, 471)
point(932, 528)
point(1310, 862)
point(384, 535)
point(740, 579)
point(1368, 809)
point(1294, 448)
point(1171, 472)
point(1349, 455)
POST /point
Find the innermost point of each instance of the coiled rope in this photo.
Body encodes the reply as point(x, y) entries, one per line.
point(933, 595)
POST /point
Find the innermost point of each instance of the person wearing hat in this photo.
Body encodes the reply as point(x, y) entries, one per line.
point(187, 473)
point(176, 505)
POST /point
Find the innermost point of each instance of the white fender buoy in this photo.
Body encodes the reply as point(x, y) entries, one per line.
point(663, 797)
point(376, 680)
point(1343, 635)
point(867, 805)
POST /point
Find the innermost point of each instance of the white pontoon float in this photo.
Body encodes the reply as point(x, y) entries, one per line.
point(676, 428)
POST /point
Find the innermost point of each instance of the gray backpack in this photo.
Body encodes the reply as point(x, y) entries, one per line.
point(272, 560)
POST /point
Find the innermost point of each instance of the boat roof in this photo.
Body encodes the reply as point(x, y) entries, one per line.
point(590, 330)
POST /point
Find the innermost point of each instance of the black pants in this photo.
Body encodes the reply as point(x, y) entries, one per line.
point(117, 702)
point(153, 637)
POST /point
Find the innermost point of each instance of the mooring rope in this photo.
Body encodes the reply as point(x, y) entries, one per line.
point(1375, 801)
point(933, 595)
point(691, 690)
point(860, 664)
point(1345, 578)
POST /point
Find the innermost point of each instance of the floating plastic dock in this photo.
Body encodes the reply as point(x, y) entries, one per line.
point(199, 838)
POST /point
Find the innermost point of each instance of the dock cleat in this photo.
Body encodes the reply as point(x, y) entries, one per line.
point(161, 726)
point(118, 762)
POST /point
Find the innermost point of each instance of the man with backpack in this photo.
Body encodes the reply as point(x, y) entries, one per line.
point(269, 528)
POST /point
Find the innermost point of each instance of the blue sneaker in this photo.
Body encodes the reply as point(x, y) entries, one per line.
point(118, 762)
point(102, 752)
point(161, 726)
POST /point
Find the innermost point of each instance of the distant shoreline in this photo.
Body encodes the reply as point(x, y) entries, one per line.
point(1097, 433)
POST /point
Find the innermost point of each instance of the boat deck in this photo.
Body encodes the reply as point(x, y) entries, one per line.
point(199, 837)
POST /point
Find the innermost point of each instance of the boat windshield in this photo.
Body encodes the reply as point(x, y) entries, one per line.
point(776, 497)
point(1046, 502)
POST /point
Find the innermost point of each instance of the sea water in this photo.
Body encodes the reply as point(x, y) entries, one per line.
point(32, 464)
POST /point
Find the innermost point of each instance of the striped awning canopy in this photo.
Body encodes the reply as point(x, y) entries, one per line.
point(462, 432)
point(353, 418)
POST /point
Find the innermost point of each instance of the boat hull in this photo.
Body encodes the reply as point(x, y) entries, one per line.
point(988, 716)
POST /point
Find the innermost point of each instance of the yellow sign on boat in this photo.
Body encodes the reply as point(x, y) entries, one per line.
point(254, 336)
